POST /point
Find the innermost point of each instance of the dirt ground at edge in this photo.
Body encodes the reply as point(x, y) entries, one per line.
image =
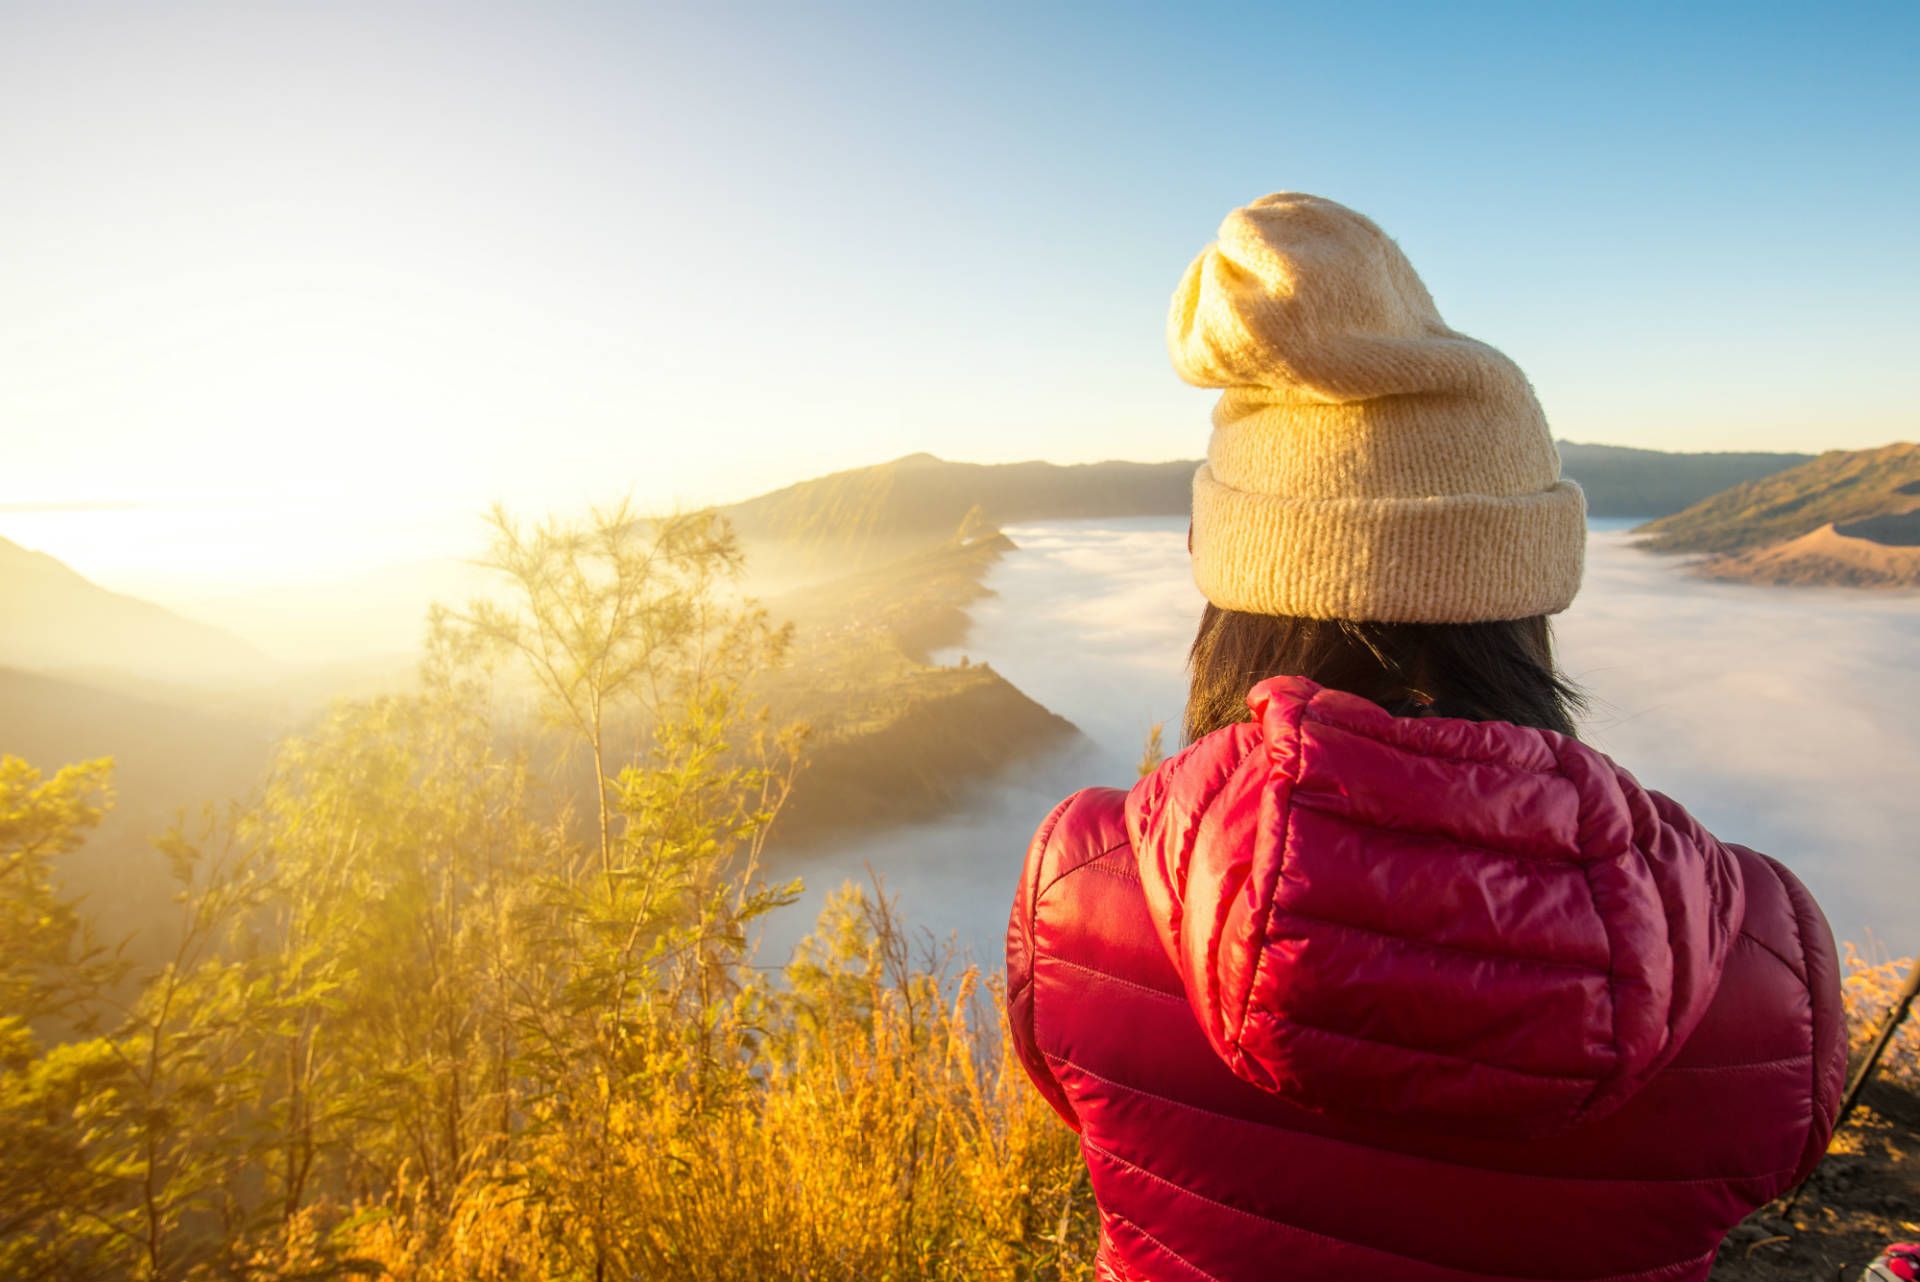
point(1865, 1194)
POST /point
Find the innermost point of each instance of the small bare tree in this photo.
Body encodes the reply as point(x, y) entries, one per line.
point(606, 613)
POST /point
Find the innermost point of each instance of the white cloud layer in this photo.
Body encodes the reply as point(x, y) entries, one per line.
point(1785, 719)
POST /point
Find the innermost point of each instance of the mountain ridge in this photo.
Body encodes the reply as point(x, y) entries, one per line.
point(868, 516)
point(57, 620)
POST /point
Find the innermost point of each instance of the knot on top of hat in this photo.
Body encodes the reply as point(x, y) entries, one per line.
point(1308, 299)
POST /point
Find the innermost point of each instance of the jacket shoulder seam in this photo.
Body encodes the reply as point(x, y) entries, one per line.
point(1747, 937)
point(1064, 873)
point(1060, 813)
point(1403, 1048)
point(1748, 1065)
point(1042, 842)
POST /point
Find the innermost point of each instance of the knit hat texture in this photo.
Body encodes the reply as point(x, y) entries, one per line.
point(1367, 462)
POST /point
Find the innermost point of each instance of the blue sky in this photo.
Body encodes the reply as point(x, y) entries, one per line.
point(398, 255)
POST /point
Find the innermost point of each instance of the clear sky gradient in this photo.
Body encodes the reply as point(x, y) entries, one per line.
point(354, 259)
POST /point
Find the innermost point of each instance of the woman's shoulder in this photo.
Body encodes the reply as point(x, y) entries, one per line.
point(1779, 917)
point(1081, 844)
point(1778, 1004)
point(1083, 827)
point(1080, 832)
point(1085, 833)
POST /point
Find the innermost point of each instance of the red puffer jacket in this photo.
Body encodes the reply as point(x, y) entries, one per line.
point(1336, 994)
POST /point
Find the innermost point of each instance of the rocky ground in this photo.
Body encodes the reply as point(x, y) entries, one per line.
point(1863, 1196)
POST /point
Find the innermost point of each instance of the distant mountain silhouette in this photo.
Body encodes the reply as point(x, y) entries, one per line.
point(52, 619)
point(1848, 517)
point(1629, 482)
point(871, 515)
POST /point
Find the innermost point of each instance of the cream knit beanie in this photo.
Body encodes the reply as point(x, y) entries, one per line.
point(1367, 462)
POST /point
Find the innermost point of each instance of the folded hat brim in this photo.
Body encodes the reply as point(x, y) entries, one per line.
point(1455, 558)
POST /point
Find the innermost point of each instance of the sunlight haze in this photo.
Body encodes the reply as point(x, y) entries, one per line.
point(299, 282)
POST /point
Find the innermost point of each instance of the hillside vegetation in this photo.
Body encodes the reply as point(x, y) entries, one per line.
point(429, 1018)
point(893, 738)
point(1838, 487)
point(170, 754)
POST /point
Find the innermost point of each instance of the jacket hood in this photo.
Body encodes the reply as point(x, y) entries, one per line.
point(1456, 924)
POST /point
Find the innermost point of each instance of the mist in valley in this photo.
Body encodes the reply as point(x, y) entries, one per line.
point(1783, 719)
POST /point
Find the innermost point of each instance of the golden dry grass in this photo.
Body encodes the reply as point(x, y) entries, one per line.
point(1868, 986)
point(885, 1130)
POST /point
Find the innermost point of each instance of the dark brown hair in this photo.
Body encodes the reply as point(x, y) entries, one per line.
point(1502, 671)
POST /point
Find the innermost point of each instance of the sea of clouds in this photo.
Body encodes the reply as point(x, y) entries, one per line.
point(1785, 719)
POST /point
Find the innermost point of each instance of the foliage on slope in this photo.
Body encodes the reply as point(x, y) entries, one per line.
point(423, 1022)
point(893, 738)
point(1840, 486)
